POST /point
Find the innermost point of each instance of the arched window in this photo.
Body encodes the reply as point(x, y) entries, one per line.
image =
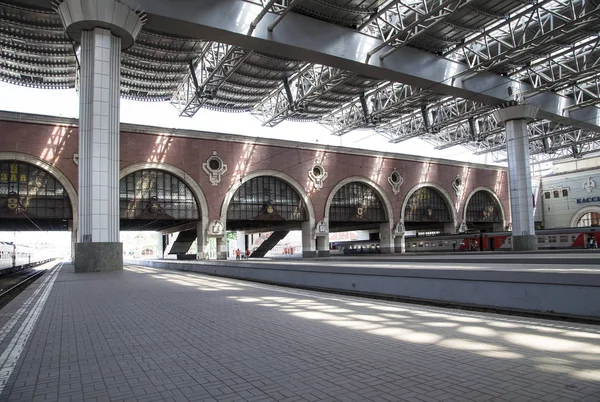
point(266, 198)
point(483, 207)
point(29, 192)
point(356, 201)
point(589, 219)
point(427, 205)
point(153, 194)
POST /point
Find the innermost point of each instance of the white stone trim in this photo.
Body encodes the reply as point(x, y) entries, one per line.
point(269, 172)
point(494, 195)
point(387, 205)
point(582, 211)
point(186, 178)
point(441, 190)
point(54, 171)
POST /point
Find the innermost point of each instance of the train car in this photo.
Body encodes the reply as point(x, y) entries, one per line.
point(355, 247)
point(548, 239)
point(14, 257)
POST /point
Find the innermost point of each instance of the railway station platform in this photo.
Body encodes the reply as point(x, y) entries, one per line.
point(549, 283)
point(146, 334)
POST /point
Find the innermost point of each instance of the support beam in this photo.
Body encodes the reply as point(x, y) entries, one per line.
point(344, 48)
point(216, 63)
point(102, 35)
point(515, 119)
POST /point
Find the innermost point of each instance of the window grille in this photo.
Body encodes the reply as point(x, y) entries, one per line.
point(266, 198)
point(356, 201)
point(155, 194)
point(483, 208)
point(39, 194)
point(565, 192)
point(555, 193)
point(427, 205)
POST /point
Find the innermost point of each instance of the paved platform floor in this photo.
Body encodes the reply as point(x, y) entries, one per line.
point(152, 335)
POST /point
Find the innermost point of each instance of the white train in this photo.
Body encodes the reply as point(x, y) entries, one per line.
point(14, 257)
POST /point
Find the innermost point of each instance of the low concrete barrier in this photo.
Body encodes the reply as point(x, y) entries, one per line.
point(574, 294)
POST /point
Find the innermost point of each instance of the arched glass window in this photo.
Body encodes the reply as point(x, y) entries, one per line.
point(153, 194)
point(589, 219)
point(356, 201)
point(266, 198)
point(483, 207)
point(427, 205)
point(27, 191)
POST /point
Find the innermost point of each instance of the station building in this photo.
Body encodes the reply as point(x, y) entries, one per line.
point(571, 194)
point(202, 185)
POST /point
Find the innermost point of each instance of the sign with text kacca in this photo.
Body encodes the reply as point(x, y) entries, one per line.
point(588, 199)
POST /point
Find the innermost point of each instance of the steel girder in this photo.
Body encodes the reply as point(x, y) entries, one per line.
point(400, 21)
point(215, 64)
point(464, 132)
point(547, 141)
point(544, 23)
point(295, 95)
point(452, 121)
point(377, 106)
point(346, 49)
point(558, 70)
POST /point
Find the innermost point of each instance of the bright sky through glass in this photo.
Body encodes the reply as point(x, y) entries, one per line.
point(65, 103)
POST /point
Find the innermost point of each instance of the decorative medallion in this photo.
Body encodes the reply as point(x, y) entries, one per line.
point(487, 213)
point(429, 212)
point(359, 211)
point(589, 185)
point(457, 185)
point(399, 228)
point(13, 201)
point(321, 227)
point(463, 227)
point(270, 209)
point(215, 168)
point(154, 206)
point(215, 228)
point(395, 179)
point(318, 175)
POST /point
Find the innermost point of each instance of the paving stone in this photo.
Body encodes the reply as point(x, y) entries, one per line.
point(151, 335)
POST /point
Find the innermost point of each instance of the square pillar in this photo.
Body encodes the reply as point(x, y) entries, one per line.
point(386, 241)
point(202, 251)
point(221, 248)
point(308, 241)
point(400, 244)
point(323, 245)
point(515, 119)
point(99, 153)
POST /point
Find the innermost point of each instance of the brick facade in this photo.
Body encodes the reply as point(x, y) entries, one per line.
point(55, 141)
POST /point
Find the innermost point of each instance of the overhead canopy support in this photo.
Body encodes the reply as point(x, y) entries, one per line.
point(344, 48)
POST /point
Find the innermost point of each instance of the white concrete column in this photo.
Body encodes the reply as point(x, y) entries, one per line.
point(160, 249)
point(103, 28)
point(515, 119)
point(308, 241)
point(221, 248)
point(386, 240)
point(323, 245)
point(241, 241)
point(202, 251)
point(99, 137)
point(400, 244)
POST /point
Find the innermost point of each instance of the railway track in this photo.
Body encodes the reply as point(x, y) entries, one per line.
point(13, 284)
